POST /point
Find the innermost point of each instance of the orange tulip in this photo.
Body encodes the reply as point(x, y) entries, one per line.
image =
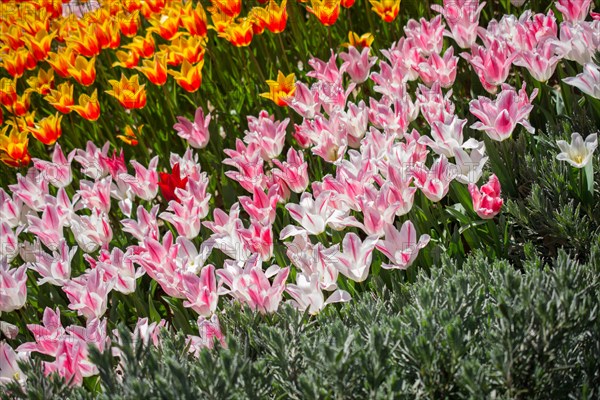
point(39, 45)
point(194, 21)
point(131, 5)
point(83, 70)
point(149, 7)
point(386, 9)
point(43, 82)
point(190, 49)
point(347, 3)
point(8, 92)
point(62, 98)
point(62, 61)
point(220, 21)
point(129, 23)
point(14, 63)
point(231, 8)
point(127, 59)
point(365, 40)
point(239, 34)
point(144, 46)
point(326, 11)
point(108, 34)
point(129, 136)
point(281, 89)
point(190, 76)
point(85, 42)
point(48, 130)
point(273, 16)
point(156, 70)
point(13, 37)
point(13, 148)
point(129, 92)
point(166, 25)
point(21, 104)
point(88, 107)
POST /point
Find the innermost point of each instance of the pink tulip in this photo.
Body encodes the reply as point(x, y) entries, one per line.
point(258, 239)
point(487, 201)
point(95, 195)
point(357, 64)
point(325, 71)
point(355, 260)
point(55, 268)
point(306, 294)
point(435, 182)
point(9, 244)
point(195, 133)
point(293, 172)
point(249, 164)
point(31, 190)
point(427, 36)
point(117, 266)
point(312, 214)
point(263, 206)
point(93, 160)
point(541, 61)
point(268, 134)
point(13, 287)
point(57, 172)
point(403, 55)
point(47, 336)
point(498, 118)
point(201, 291)
point(304, 101)
point(10, 209)
point(491, 63)
point(9, 368)
point(145, 182)
point(401, 247)
point(146, 224)
point(209, 330)
point(91, 231)
point(462, 16)
point(433, 104)
point(579, 42)
point(160, 262)
point(249, 284)
point(438, 69)
point(88, 293)
point(447, 136)
point(588, 81)
point(573, 10)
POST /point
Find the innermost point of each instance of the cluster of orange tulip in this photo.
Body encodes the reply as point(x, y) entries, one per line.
point(48, 52)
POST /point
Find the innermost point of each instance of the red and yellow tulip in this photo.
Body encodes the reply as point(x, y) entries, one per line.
point(129, 92)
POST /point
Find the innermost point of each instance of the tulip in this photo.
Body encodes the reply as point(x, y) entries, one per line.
point(88, 107)
point(498, 118)
point(588, 81)
point(155, 71)
point(487, 201)
point(13, 286)
point(13, 148)
point(190, 76)
point(62, 97)
point(48, 130)
point(281, 89)
point(326, 11)
point(83, 70)
point(128, 91)
point(10, 370)
point(573, 10)
point(357, 64)
point(579, 152)
point(307, 294)
point(386, 9)
point(401, 247)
